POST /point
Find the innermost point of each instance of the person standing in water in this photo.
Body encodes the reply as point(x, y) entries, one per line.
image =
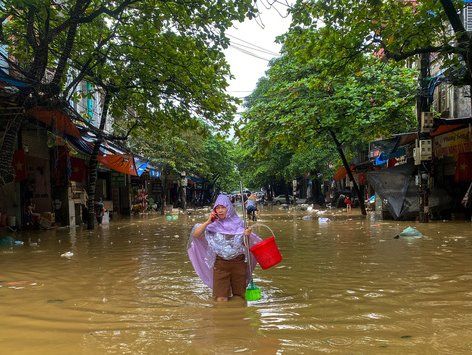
point(251, 206)
point(217, 251)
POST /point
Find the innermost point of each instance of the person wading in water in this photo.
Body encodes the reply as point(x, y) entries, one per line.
point(217, 251)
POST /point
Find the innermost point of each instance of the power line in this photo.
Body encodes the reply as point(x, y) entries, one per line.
point(252, 44)
point(249, 53)
point(254, 49)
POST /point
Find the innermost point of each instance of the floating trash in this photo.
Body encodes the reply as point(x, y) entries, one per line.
point(8, 241)
point(409, 232)
point(67, 254)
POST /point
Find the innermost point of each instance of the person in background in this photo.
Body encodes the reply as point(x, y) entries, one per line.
point(348, 203)
point(99, 210)
point(251, 206)
point(31, 217)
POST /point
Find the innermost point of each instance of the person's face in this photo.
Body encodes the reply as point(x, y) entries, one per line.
point(221, 211)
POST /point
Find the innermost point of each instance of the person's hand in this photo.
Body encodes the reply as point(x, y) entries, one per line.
point(212, 217)
point(248, 231)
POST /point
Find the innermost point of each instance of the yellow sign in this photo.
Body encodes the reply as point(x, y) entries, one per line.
point(453, 143)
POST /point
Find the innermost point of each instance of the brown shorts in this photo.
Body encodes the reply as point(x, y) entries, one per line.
point(229, 277)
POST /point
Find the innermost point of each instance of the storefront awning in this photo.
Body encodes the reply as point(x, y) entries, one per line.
point(55, 119)
point(120, 163)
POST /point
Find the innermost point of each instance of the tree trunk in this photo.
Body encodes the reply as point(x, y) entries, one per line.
point(38, 67)
point(7, 149)
point(61, 66)
point(93, 164)
point(349, 172)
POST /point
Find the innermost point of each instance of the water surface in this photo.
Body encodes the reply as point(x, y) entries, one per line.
point(346, 286)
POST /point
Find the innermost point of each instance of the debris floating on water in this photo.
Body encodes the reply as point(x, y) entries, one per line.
point(67, 254)
point(410, 232)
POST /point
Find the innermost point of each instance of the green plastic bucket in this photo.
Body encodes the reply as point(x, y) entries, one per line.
point(253, 293)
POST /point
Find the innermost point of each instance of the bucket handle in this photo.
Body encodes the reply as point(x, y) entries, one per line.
point(264, 225)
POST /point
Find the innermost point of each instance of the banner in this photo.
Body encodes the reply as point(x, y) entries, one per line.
point(79, 170)
point(463, 167)
point(19, 165)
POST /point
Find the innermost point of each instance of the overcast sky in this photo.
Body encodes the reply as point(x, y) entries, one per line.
point(249, 40)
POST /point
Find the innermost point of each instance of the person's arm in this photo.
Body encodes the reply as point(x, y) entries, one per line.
point(198, 232)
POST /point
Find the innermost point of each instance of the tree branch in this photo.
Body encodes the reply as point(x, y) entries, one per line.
point(89, 18)
point(30, 37)
point(86, 67)
point(125, 137)
point(455, 20)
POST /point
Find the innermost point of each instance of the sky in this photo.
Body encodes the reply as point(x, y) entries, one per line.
point(250, 40)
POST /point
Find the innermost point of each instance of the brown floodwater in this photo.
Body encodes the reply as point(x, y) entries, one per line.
point(346, 286)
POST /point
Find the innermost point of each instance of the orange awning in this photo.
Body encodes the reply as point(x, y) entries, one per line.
point(57, 120)
point(121, 163)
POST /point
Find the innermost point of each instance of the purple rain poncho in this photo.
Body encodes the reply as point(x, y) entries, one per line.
point(203, 256)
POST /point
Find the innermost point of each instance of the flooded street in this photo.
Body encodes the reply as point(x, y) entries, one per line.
point(343, 286)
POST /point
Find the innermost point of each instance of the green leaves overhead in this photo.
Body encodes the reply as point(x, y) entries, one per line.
point(307, 94)
point(166, 55)
point(390, 29)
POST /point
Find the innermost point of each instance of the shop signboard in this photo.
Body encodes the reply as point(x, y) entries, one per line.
point(453, 143)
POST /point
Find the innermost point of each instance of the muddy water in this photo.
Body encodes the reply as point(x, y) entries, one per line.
point(344, 287)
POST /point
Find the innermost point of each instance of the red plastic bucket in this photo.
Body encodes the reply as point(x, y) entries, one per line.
point(266, 252)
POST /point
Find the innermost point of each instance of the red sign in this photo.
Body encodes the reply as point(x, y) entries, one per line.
point(19, 165)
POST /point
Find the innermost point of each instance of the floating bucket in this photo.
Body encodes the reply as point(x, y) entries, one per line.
point(169, 217)
point(253, 293)
point(267, 253)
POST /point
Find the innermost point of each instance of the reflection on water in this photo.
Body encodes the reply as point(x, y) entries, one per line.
point(344, 286)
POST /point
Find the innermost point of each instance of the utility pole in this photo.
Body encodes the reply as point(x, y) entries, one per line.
point(423, 177)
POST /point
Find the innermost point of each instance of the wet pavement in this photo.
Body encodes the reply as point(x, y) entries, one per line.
point(344, 286)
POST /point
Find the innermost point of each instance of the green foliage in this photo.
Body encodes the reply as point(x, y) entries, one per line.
point(390, 28)
point(161, 61)
point(286, 128)
point(161, 58)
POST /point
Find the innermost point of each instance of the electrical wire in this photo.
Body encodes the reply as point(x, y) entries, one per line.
point(249, 49)
point(252, 45)
point(245, 51)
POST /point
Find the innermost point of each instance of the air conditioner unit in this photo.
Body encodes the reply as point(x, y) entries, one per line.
point(427, 121)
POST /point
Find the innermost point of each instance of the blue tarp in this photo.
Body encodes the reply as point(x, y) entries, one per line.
point(140, 165)
point(11, 81)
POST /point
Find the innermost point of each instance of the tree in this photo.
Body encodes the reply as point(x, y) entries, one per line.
point(164, 38)
point(162, 60)
point(396, 30)
point(305, 101)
